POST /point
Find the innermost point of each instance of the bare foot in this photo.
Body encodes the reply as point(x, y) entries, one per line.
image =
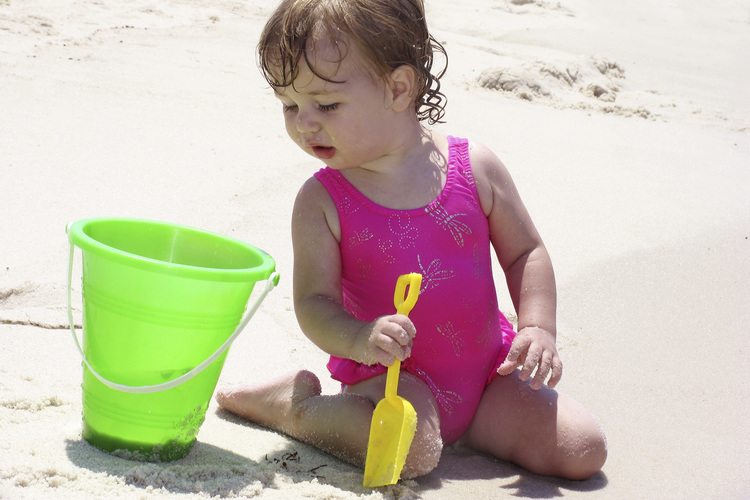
point(271, 404)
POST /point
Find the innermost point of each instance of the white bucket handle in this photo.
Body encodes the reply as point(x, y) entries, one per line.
point(149, 389)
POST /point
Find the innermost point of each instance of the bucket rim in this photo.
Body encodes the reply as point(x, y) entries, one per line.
point(78, 237)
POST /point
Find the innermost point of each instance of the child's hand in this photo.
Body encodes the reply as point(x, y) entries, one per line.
point(384, 340)
point(534, 348)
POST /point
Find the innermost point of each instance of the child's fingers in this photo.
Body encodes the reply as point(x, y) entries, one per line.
point(395, 341)
point(533, 361)
point(545, 365)
point(506, 367)
point(549, 364)
point(384, 340)
point(514, 358)
point(401, 331)
point(557, 368)
point(405, 323)
point(533, 358)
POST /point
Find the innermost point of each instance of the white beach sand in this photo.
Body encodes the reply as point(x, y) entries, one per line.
point(626, 126)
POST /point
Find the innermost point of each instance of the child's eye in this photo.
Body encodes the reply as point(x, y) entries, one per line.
point(289, 107)
point(328, 107)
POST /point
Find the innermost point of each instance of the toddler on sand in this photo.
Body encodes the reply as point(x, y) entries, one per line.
point(355, 81)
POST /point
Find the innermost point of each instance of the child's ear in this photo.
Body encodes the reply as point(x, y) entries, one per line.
point(402, 83)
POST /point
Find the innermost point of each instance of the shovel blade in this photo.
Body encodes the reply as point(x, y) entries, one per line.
point(394, 422)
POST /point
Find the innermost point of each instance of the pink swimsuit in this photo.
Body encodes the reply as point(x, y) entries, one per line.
point(462, 337)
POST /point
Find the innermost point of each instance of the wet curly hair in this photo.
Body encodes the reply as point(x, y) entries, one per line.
point(390, 33)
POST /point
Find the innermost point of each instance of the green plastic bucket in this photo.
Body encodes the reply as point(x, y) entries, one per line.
point(162, 303)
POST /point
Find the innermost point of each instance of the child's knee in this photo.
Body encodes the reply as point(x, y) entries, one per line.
point(596, 454)
point(586, 455)
point(424, 454)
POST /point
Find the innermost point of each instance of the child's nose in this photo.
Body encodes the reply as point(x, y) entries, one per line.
point(307, 122)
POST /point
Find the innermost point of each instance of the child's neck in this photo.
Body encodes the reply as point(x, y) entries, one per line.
point(411, 176)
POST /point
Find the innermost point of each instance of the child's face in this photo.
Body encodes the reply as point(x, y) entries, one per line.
point(344, 124)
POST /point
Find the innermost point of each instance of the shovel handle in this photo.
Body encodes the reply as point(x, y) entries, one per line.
point(404, 303)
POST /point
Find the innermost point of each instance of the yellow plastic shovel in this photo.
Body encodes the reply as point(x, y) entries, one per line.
point(394, 420)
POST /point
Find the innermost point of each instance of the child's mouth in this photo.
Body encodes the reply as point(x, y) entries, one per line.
point(324, 152)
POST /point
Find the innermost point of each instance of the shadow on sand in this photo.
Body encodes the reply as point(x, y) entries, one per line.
point(460, 464)
point(207, 470)
point(302, 462)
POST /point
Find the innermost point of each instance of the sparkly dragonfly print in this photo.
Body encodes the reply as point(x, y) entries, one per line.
point(451, 223)
point(360, 237)
point(449, 332)
point(433, 274)
point(446, 399)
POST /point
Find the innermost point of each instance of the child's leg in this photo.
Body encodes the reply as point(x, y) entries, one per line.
point(543, 431)
point(338, 424)
point(427, 446)
point(293, 404)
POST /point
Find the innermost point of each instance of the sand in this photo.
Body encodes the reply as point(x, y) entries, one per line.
point(626, 126)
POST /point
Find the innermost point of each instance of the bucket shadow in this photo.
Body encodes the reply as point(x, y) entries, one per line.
point(206, 469)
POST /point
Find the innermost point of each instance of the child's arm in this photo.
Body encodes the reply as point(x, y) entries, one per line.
point(318, 299)
point(528, 271)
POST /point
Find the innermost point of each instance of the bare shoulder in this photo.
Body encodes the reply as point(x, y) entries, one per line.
point(313, 191)
point(491, 177)
point(485, 163)
point(314, 208)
